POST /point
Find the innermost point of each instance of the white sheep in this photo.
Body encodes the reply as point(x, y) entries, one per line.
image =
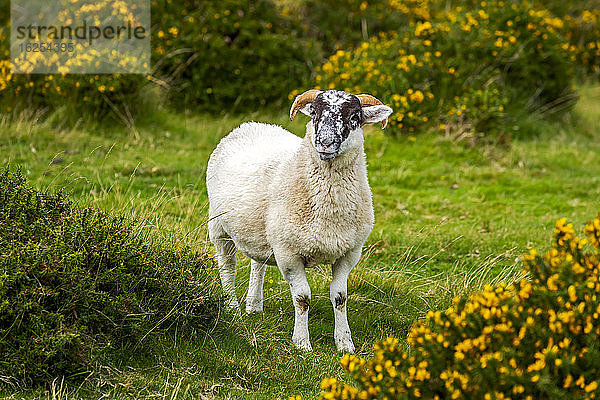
point(295, 203)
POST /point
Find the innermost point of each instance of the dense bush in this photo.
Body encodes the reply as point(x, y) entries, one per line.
point(466, 67)
point(227, 55)
point(242, 56)
point(345, 24)
point(582, 30)
point(536, 339)
point(231, 54)
point(119, 95)
point(77, 285)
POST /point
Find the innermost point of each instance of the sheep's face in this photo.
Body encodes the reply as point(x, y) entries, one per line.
point(337, 118)
point(334, 115)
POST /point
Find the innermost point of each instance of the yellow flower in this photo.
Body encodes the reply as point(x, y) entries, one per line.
point(572, 293)
point(417, 96)
point(537, 366)
point(422, 27)
point(552, 283)
point(591, 387)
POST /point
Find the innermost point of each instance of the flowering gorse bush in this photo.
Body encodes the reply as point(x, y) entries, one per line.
point(97, 93)
point(463, 65)
point(227, 55)
point(344, 24)
point(582, 30)
point(536, 339)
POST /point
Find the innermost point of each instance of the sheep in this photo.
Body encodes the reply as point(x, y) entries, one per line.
point(295, 203)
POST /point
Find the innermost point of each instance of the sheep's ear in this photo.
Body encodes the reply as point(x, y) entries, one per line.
point(307, 109)
point(377, 113)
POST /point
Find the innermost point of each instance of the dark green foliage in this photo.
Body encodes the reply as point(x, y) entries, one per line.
point(77, 285)
point(344, 24)
point(244, 56)
point(231, 54)
point(570, 7)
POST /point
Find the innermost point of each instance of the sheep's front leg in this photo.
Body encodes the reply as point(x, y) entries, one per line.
point(292, 269)
point(338, 294)
point(254, 300)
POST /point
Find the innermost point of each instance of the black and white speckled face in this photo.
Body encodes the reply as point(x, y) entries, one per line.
point(335, 115)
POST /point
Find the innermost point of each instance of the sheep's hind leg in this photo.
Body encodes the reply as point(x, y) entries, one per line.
point(254, 300)
point(225, 252)
point(338, 294)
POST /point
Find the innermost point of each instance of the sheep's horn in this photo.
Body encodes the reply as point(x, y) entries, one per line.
point(367, 100)
point(302, 100)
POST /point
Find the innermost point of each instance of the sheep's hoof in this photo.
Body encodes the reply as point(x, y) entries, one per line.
point(253, 310)
point(254, 306)
point(344, 344)
point(302, 343)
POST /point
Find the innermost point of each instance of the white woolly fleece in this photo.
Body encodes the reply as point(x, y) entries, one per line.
point(268, 188)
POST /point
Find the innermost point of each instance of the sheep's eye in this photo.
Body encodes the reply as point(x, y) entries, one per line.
point(355, 119)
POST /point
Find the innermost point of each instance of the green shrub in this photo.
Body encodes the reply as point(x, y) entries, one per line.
point(93, 96)
point(536, 339)
point(77, 285)
point(471, 65)
point(345, 24)
point(230, 55)
point(238, 55)
point(583, 31)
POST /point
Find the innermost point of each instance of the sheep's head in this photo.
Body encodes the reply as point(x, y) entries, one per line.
point(337, 118)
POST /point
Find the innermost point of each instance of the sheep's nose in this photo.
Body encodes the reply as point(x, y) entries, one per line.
point(327, 141)
point(326, 146)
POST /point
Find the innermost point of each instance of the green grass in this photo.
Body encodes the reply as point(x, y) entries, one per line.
point(449, 218)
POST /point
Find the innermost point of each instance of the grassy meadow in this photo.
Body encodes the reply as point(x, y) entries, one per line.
point(449, 219)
